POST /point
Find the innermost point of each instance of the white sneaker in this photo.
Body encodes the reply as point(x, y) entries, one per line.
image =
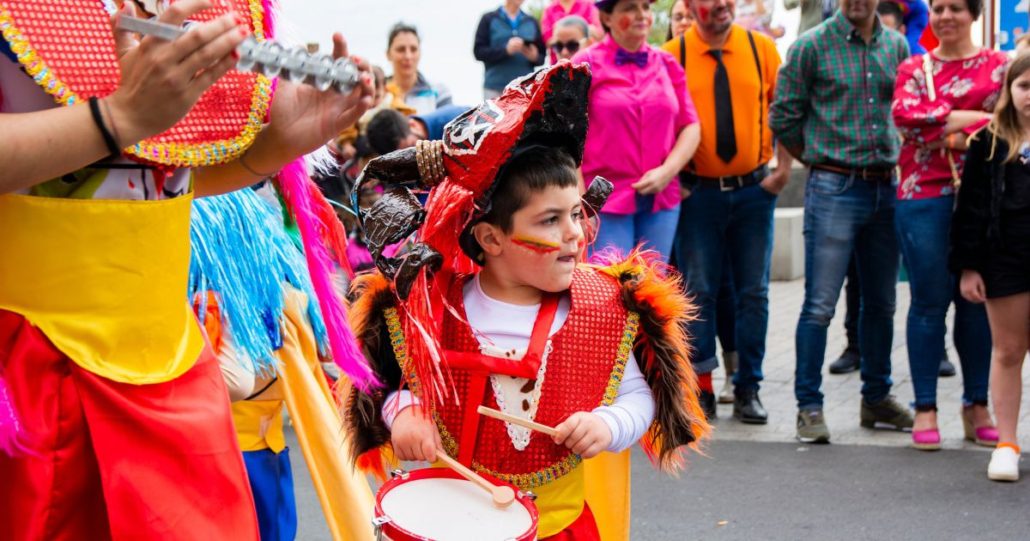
point(726, 395)
point(1004, 465)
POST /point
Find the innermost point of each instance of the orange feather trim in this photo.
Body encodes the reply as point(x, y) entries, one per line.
point(655, 292)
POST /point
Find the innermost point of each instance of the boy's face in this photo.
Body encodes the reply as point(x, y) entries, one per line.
point(544, 244)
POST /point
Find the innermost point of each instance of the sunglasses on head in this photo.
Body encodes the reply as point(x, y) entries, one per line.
point(571, 46)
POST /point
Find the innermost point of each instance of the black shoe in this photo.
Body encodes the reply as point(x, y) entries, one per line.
point(747, 408)
point(707, 401)
point(847, 362)
point(947, 369)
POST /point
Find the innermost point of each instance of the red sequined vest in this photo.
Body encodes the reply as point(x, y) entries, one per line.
point(583, 371)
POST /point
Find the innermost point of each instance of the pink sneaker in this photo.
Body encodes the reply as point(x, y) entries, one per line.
point(926, 440)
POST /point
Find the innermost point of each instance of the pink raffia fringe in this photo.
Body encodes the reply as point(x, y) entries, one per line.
point(299, 192)
point(271, 9)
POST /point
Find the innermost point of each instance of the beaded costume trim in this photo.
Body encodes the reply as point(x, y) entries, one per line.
point(525, 481)
point(175, 154)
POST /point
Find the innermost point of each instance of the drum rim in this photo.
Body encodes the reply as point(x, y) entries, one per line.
point(393, 530)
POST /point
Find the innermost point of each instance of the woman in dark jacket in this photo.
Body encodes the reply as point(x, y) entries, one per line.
point(991, 250)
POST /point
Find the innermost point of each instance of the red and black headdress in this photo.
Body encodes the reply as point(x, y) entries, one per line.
point(546, 108)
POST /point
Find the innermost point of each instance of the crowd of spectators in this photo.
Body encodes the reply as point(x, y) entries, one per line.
point(699, 136)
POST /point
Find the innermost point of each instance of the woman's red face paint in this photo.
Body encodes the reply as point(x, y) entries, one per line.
point(537, 245)
point(624, 22)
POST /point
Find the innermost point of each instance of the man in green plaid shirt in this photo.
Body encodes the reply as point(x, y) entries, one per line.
point(832, 112)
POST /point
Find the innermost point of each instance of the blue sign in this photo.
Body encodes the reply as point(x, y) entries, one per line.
point(1013, 21)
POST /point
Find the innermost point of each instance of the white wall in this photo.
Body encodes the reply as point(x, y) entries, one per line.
point(447, 27)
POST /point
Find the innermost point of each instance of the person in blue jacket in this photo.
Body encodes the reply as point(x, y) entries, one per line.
point(509, 43)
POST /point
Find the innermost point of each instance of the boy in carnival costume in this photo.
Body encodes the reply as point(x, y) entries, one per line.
point(114, 418)
point(510, 318)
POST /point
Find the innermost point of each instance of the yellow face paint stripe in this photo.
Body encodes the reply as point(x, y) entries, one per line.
point(537, 245)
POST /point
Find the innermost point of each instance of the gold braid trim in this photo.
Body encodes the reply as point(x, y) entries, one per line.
point(629, 336)
point(400, 348)
point(174, 154)
point(525, 481)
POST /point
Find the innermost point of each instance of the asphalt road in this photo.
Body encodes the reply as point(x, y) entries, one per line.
point(760, 490)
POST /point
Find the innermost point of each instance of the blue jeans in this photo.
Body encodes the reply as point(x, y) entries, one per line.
point(726, 309)
point(653, 230)
point(923, 226)
point(846, 215)
point(736, 224)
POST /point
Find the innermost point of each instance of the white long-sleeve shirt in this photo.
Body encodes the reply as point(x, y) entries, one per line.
point(508, 327)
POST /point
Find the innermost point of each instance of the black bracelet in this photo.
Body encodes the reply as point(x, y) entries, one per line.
point(94, 109)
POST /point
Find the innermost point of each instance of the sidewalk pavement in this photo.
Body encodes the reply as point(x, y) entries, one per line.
point(731, 493)
point(842, 391)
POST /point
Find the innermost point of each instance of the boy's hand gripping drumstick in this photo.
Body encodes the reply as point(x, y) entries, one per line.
point(483, 410)
point(503, 496)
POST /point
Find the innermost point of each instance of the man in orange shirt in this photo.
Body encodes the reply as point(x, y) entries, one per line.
point(728, 191)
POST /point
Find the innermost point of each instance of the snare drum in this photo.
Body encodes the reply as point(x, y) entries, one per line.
point(438, 504)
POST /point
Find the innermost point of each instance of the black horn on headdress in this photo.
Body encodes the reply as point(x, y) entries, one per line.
point(398, 213)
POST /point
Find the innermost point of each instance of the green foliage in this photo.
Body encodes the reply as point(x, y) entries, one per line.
point(660, 30)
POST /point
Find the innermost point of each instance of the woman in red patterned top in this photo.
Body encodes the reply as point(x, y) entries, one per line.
point(940, 98)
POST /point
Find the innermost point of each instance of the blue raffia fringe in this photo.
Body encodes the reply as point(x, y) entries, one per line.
point(241, 251)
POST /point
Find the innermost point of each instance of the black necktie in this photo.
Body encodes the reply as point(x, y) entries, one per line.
point(725, 138)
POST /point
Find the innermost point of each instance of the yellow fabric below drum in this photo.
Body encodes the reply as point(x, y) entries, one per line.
point(608, 494)
point(104, 280)
point(559, 502)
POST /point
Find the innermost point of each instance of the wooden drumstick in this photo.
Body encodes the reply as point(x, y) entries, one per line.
point(503, 496)
point(496, 414)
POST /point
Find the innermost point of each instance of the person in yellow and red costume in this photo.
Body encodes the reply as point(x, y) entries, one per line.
point(114, 419)
point(492, 306)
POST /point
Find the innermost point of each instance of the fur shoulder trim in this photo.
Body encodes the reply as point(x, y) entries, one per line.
point(369, 295)
point(654, 291)
point(369, 438)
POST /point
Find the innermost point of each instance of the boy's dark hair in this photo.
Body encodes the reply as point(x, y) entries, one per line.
point(386, 130)
point(891, 8)
point(528, 171)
